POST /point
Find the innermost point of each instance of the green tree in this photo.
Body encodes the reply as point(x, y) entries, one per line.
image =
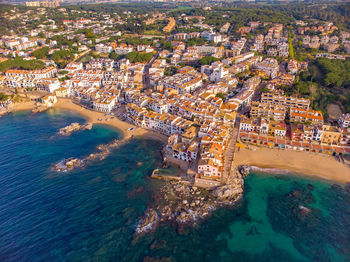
point(207, 60)
point(41, 35)
point(19, 63)
point(41, 53)
point(113, 55)
point(169, 71)
point(221, 95)
point(139, 57)
point(291, 48)
point(3, 97)
point(62, 57)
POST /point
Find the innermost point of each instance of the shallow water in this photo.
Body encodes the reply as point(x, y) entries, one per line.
point(91, 213)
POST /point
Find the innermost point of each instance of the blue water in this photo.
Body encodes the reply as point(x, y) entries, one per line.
point(90, 214)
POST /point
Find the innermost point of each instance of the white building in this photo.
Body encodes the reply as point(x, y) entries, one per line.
point(103, 48)
point(344, 120)
point(48, 84)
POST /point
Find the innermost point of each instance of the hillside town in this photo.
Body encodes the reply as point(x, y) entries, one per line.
point(210, 91)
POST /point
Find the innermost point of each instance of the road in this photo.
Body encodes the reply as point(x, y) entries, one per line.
point(81, 54)
point(145, 77)
point(230, 30)
point(283, 67)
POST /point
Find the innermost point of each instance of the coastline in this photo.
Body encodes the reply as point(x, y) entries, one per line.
point(292, 162)
point(93, 116)
point(280, 161)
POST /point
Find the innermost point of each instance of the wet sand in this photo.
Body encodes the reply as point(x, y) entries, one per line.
point(306, 163)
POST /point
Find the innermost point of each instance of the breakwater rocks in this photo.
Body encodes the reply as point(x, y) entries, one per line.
point(74, 127)
point(68, 164)
point(180, 203)
point(39, 109)
point(71, 163)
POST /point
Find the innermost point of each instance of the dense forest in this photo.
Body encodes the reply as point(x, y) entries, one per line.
point(326, 82)
point(241, 13)
point(338, 13)
point(20, 63)
point(135, 57)
point(236, 13)
point(333, 80)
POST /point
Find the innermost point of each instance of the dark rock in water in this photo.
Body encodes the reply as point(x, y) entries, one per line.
point(347, 187)
point(337, 188)
point(252, 231)
point(153, 259)
point(296, 193)
point(244, 170)
point(135, 192)
point(119, 179)
point(311, 187)
point(304, 210)
point(158, 244)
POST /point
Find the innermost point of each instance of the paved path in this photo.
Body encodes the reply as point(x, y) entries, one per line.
point(81, 54)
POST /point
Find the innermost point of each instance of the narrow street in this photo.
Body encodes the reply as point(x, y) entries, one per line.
point(145, 78)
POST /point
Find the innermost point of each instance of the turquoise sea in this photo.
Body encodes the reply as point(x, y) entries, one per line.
point(90, 214)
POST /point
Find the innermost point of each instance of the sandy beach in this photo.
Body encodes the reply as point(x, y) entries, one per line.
point(29, 105)
point(311, 164)
point(94, 117)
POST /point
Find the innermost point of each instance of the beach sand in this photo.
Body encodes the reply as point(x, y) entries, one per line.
point(93, 116)
point(29, 105)
point(311, 164)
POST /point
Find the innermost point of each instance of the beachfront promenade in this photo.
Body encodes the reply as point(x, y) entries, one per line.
point(284, 143)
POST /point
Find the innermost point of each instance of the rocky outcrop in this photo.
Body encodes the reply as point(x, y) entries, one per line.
point(39, 109)
point(71, 163)
point(229, 192)
point(148, 222)
point(184, 204)
point(68, 164)
point(74, 127)
point(244, 170)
